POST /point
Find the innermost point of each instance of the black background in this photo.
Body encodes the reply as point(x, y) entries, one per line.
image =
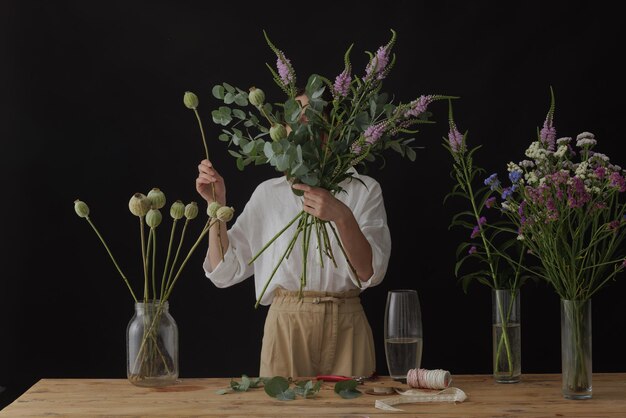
point(91, 107)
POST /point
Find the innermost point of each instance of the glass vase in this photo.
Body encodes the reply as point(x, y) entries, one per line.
point(506, 330)
point(152, 345)
point(576, 348)
point(403, 333)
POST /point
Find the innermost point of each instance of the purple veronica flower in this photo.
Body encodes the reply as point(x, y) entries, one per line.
point(475, 232)
point(376, 66)
point(356, 148)
point(455, 139)
point(489, 202)
point(342, 84)
point(373, 133)
point(284, 68)
point(419, 106)
point(482, 220)
point(472, 249)
point(548, 134)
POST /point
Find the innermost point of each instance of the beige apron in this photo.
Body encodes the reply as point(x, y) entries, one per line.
point(322, 333)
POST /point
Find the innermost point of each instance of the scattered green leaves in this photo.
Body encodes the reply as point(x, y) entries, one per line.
point(278, 387)
point(347, 389)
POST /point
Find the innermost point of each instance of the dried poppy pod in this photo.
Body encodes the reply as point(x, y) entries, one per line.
point(256, 97)
point(278, 132)
point(139, 204)
point(177, 210)
point(157, 198)
point(225, 213)
point(190, 100)
point(212, 209)
point(154, 218)
point(191, 210)
point(81, 208)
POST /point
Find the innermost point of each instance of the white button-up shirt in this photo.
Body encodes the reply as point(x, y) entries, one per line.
point(271, 207)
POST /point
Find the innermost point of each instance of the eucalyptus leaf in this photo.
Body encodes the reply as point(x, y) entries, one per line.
point(229, 88)
point(234, 153)
point(241, 99)
point(239, 114)
point(229, 98)
point(240, 164)
point(248, 148)
point(221, 117)
point(347, 389)
point(223, 391)
point(411, 154)
point(223, 137)
point(268, 150)
point(218, 92)
point(362, 121)
point(278, 387)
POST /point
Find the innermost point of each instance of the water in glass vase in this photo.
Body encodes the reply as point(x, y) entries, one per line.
point(403, 354)
point(507, 363)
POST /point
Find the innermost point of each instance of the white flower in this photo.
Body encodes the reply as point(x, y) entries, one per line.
point(520, 237)
point(513, 167)
point(505, 205)
point(564, 141)
point(531, 178)
point(560, 152)
point(527, 164)
point(598, 156)
point(585, 140)
point(582, 170)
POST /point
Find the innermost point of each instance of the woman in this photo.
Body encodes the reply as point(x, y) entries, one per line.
point(325, 332)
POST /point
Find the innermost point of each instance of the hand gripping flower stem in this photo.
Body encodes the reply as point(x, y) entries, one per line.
point(112, 258)
point(206, 152)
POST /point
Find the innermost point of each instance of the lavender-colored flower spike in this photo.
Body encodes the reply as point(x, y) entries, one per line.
point(373, 133)
point(419, 106)
point(455, 138)
point(284, 69)
point(547, 135)
point(377, 66)
point(342, 84)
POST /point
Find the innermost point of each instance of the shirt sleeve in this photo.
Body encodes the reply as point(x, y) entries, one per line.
point(372, 219)
point(234, 267)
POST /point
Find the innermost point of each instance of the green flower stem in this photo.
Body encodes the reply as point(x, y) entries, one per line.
point(327, 247)
point(205, 230)
point(292, 244)
point(180, 244)
point(300, 214)
point(112, 258)
point(262, 110)
point(344, 254)
point(472, 199)
point(206, 152)
point(143, 256)
point(295, 237)
point(167, 259)
point(504, 336)
point(319, 240)
point(154, 292)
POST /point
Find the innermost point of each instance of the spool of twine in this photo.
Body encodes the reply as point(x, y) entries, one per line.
point(428, 379)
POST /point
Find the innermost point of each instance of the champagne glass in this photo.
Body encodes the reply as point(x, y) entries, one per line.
point(403, 333)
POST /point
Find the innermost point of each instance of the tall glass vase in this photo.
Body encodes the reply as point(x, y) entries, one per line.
point(403, 333)
point(152, 345)
point(507, 357)
point(576, 348)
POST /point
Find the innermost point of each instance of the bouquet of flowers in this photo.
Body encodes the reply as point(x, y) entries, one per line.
point(488, 241)
point(152, 359)
point(319, 143)
point(565, 203)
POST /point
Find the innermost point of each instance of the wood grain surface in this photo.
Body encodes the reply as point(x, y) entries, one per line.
point(535, 396)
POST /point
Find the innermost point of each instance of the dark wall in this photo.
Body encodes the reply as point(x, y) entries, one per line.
point(91, 105)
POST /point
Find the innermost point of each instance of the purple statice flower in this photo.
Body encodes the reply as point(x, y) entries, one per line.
point(614, 225)
point(577, 196)
point(455, 139)
point(548, 134)
point(515, 176)
point(617, 180)
point(489, 202)
point(492, 181)
point(552, 212)
point(373, 133)
point(521, 208)
point(600, 172)
point(472, 250)
point(284, 68)
point(342, 84)
point(417, 107)
point(506, 193)
point(376, 66)
point(475, 232)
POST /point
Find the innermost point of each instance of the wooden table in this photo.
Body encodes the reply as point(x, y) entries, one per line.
point(535, 396)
